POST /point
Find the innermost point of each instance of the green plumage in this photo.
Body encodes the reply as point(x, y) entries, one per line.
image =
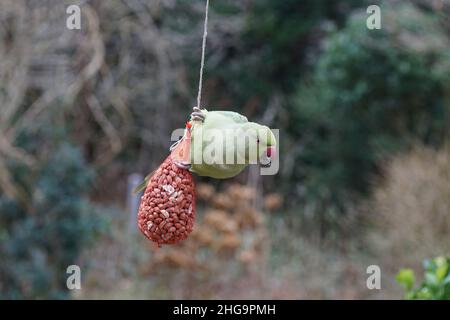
point(207, 135)
point(224, 124)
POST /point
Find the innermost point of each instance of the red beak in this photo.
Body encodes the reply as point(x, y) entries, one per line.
point(271, 151)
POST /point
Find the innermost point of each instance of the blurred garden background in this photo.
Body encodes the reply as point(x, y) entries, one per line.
point(364, 146)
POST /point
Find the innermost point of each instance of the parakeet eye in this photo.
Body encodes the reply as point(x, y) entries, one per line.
point(257, 140)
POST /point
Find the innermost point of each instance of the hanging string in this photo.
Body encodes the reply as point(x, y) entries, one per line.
point(202, 63)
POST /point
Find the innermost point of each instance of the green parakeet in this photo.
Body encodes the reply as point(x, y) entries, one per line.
point(220, 144)
point(225, 142)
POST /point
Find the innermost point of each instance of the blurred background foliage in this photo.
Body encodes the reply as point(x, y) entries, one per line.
point(371, 94)
point(364, 157)
point(436, 281)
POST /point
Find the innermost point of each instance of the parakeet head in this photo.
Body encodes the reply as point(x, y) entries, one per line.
point(265, 142)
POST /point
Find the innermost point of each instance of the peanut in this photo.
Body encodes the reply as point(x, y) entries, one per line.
point(167, 211)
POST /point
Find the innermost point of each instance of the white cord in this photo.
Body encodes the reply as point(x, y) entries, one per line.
point(202, 63)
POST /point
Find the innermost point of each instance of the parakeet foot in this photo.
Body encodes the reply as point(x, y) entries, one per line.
point(197, 115)
point(265, 163)
point(265, 160)
point(183, 165)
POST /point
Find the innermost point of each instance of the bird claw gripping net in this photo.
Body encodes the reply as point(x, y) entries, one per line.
point(167, 210)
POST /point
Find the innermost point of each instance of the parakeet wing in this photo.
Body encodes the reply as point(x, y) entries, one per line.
point(143, 184)
point(236, 117)
point(216, 120)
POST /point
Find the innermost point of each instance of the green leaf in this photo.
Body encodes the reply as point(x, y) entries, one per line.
point(431, 279)
point(406, 278)
point(441, 272)
point(424, 294)
point(410, 295)
point(446, 280)
point(440, 261)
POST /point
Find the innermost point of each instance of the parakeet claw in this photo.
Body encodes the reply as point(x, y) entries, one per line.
point(197, 115)
point(183, 165)
point(265, 162)
point(266, 165)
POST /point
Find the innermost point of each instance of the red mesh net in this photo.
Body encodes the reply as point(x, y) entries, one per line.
point(167, 210)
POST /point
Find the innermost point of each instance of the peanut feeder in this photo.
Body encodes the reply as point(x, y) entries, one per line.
point(167, 210)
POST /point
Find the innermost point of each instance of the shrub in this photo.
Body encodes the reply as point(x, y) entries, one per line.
point(372, 93)
point(411, 206)
point(41, 238)
point(266, 51)
point(436, 283)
